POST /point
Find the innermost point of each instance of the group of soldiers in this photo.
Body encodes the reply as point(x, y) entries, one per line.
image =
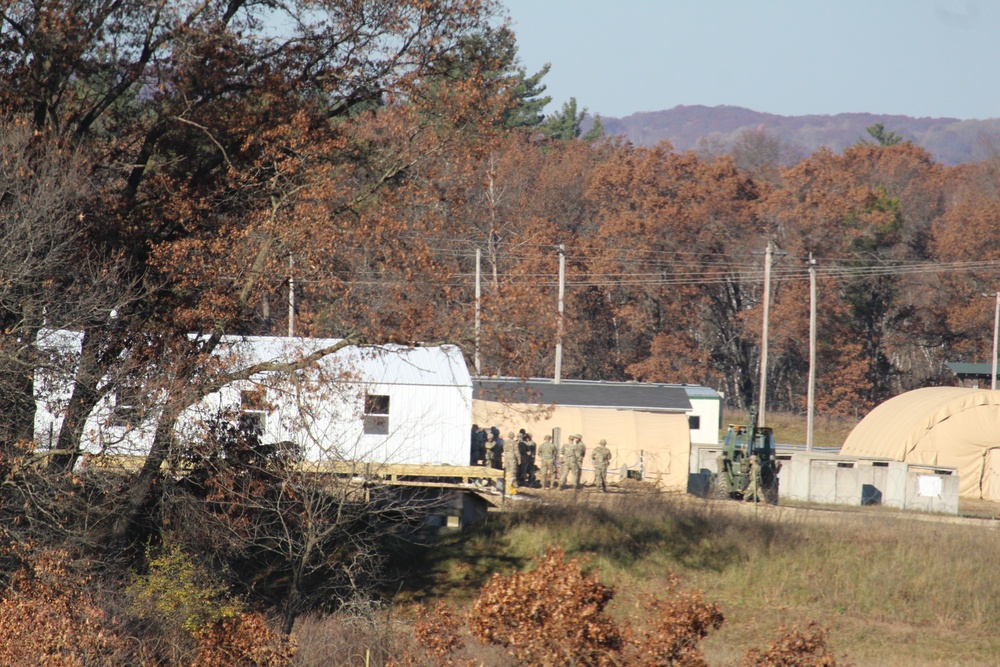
point(526, 464)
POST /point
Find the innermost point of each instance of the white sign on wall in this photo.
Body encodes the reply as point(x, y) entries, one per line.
point(929, 485)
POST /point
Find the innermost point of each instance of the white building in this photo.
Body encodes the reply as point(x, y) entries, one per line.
point(705, 418)
point(386, 404)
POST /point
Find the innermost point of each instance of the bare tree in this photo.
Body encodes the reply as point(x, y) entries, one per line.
point(49, 278)
point(302, 524)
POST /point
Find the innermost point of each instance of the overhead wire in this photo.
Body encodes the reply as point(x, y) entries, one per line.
point(614, 279)
point(646, 267)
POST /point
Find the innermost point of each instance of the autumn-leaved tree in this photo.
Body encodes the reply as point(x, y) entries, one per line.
point(51, 277)
point(48, 617)
point(227, 138)
point(671, 241)
point(868, 211)
point(968, 232)
point(553, 615)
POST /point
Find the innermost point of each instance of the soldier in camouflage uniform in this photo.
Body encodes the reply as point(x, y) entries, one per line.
point(565, 458)
point(511, 462)
point(601, 457)
point(490, 450)
point(572, 455)
point(755, 489)
point(547, 462)
point(579, 452)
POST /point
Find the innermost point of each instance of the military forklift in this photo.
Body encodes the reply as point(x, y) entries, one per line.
point(748, 465)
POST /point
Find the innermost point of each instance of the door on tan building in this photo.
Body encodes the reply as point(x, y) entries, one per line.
point(990, 485)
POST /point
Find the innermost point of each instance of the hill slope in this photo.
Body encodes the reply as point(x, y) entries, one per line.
point(950, 140)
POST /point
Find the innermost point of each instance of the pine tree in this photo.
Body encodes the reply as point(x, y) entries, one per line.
point(530, 103)
point(881, 137)
point(566, 124)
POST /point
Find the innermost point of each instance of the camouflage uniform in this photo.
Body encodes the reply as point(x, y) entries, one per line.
point(601, 457)
point(565, 462)
point(490, 450)
point(511, 462)
point(579, 452)
point(755, 489)
point(572, 459)
point(547, 462)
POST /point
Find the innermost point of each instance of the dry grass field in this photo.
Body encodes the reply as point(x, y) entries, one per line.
point(791, 428)
point(892, 588)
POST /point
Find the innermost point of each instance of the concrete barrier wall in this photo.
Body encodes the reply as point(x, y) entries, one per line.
point(833, 479)
point(931, 491)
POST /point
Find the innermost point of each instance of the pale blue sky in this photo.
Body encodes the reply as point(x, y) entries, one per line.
point(938, 58)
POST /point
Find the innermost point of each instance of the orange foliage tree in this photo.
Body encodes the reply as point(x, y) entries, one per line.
point(861, 214)
point(48, 617)
point(670, 240)
point(968, 231)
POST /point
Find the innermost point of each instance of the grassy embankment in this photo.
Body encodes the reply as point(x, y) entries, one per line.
point(891, 589)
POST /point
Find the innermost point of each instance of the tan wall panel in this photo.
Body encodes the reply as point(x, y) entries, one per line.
point(667, 438)
point(659, 441)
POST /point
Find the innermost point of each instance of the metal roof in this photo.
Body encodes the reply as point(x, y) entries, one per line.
point(584, 393)
point(698, 391)
point(439, 365)
point(970, 369)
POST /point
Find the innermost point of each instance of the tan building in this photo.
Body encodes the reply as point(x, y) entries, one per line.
point(646, 425)
point(954, 427)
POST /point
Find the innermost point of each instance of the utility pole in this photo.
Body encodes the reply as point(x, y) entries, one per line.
point(996, 331)
point(559, 321)
point(811, 395)
point(762, 403)
point(996, 335)
point(479, 296)
point(291, 296)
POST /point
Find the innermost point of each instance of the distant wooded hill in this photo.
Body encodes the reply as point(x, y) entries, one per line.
point(950, 140)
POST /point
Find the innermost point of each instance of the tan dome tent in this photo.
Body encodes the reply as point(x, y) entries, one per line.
point(954, 427)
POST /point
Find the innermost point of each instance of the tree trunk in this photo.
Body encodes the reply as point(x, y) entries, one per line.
point(17, 395)
point(140, 493)
point(82, 402)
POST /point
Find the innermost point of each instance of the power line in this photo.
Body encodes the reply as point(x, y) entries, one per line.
point(704, 278)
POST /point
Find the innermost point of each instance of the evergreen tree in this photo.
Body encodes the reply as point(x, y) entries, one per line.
point(529, 101)
point(881, 137)
point(596, 131)
point(495, 52)
point(566, 124)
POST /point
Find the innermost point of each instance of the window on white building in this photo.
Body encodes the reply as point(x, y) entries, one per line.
point(253, 407)
point(376, 418)
point(127, 405)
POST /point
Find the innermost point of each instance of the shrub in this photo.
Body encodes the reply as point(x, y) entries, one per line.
point(794, 648)
point(178, 592)
point(243, 641)
point(188, 618)
point(672, 636)
point(47, 618)
point(553, 615)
